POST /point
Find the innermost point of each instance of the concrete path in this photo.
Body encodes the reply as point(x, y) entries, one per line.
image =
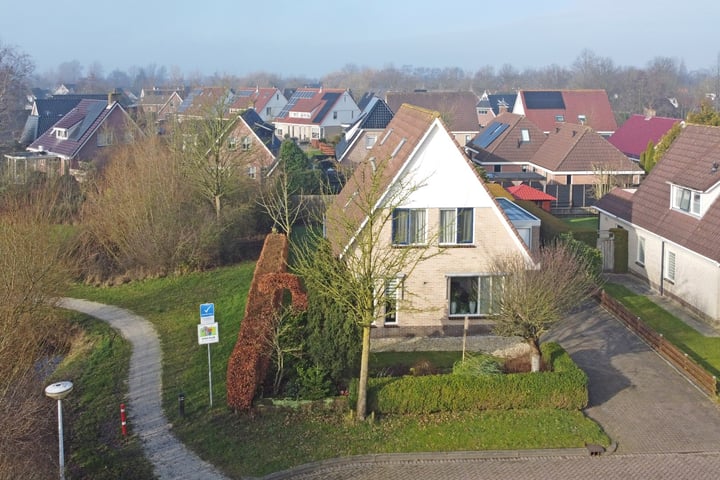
point(172, 461)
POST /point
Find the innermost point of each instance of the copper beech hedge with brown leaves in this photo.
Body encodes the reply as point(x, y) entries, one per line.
point(250, 359)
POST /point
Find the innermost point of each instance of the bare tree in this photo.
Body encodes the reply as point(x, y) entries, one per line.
point(354, 266)
point(533, 299)
point(281, 201)
point(604, 180)
point(15, 68)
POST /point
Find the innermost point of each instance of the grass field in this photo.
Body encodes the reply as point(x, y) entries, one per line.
point(272, 439)
point(581, 223)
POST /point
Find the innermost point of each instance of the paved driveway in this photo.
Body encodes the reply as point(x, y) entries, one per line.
point(665, 428)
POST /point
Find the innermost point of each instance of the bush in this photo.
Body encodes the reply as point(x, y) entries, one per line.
point(313, 383)
point(565, 388)
point(477, 366)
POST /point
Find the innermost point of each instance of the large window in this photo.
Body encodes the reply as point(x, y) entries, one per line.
point(456, 226)
point(408, 226)
point(474, 295)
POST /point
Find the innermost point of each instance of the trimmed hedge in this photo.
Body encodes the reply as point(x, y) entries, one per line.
point(564, 387)
point(551, 226)
point(621, 250)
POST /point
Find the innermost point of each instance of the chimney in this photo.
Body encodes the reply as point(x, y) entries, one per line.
point(113, 97)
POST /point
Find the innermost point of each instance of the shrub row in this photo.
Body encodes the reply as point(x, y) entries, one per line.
point(564, 387)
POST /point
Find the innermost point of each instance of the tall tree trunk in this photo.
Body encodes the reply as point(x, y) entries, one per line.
point(217, 208)
point(535, 354)
point(362, 383)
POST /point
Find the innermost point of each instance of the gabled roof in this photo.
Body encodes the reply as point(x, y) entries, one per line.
point(633, 136)
point(253, 97)
point(526, 192)
point(263, 130)
point(375, 116)
point(689, 162)
point(45, 112)
point(576, 148)
point(81, 123)
point(317, 102)
point(502, 140)
point(498, 101)
point(456, 108)
point(586, 107)
point(393, 149)
point(206, 100)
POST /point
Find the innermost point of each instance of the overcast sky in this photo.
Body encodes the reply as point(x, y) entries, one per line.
point(315, 37)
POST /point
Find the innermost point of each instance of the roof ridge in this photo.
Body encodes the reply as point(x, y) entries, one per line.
point(432, 113)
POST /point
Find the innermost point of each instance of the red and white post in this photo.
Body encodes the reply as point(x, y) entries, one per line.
point(123, 420)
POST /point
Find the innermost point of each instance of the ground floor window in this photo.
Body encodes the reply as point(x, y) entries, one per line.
point(391, 297)
point(473, 295)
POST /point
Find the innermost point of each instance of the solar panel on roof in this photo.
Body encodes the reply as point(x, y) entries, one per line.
point(490, 133)
point(544, 100)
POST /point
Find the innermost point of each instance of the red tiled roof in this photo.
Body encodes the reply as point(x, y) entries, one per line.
point(526, 192)
point(257, 99)
point(593, 104)
point(633, 136)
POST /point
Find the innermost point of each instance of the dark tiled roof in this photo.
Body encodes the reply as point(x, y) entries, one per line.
point(508, 146)
point(265, 131)
point(86, 117)
point(309, 100)
point(633, 136)
point(498, 101)
point(688, 162)
point(576, 148)
point(456, 108)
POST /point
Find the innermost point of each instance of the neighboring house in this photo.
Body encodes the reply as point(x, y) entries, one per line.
point(45, 112)
point(363, 134)
point(206, 102)
point(160, 102)
point(633, 136)
point(65, 89)
point(546, 108)
point(574, 156)
point(457, 109)
point(256, 141)
point(315, 113)
point(492, 105)
point(506, 144)
point(268, 102)
point(448, 210)
point(673, 221)
point(85, 132)
point(530, 194)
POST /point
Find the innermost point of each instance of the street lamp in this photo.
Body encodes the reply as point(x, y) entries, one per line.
point(58, 391)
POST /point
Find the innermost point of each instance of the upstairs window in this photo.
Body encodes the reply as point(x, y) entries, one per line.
point(456, 226)
point(408, 226)
point(61, 133)
point(247, 143)
point(370, 141)
point(686, 200)
point(559, 118)
point(232, 143)
point(524, 135)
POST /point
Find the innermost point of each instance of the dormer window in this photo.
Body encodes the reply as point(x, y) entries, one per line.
point(559, 118)
point(582, 119)
point(686, 200)
point(61, 133)
point(525, 135)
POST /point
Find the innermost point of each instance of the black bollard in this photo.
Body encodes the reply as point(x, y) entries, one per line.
point(181, 404)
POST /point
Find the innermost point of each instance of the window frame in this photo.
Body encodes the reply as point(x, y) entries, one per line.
point(486, 297)
point(459, 218)
point(670, 269)
point(405, 223)
point(640, 257)
point(392, 294)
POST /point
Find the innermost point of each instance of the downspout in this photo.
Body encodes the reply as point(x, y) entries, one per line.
point(662, 267)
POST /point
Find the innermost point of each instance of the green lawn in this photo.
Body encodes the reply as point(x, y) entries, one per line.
point(704, 350)
point(274, 439)
point(581, 223)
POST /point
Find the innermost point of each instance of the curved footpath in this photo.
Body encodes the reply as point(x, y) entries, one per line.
point(172, 461)
point(664, 427)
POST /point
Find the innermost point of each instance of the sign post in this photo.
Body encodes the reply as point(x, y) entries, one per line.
point(208, 333)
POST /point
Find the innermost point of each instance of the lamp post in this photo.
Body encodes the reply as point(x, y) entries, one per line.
point(58, 391)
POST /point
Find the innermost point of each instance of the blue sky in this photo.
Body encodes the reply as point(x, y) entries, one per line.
point(315, 37)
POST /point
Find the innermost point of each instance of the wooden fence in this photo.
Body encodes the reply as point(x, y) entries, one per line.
point(697, 374)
